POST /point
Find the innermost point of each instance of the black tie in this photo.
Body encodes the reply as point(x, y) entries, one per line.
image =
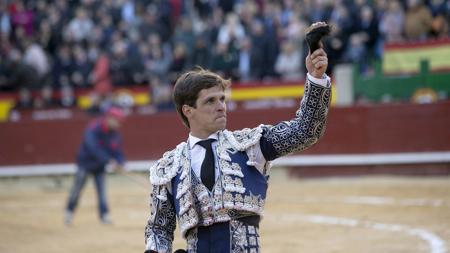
point(208, 168)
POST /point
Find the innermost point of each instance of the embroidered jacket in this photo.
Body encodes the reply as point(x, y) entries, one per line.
point(240, 189)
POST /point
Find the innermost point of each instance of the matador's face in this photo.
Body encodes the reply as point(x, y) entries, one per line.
point(210, 113)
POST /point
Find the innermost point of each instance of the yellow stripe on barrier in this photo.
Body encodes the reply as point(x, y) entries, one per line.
point(84, 102)
point(239, 94)
point(292, 91)
point(141, 98)
point(5, 107)
point(267, 92)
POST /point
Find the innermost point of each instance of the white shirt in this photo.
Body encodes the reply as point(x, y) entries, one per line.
point(197, 154)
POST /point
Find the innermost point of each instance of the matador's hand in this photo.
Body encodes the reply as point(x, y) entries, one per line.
point(316, 62)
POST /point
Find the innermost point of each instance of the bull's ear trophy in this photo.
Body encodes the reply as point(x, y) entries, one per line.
point(315, 33)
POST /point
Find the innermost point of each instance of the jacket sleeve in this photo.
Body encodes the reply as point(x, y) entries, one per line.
point(306, 128)
point(159, 231)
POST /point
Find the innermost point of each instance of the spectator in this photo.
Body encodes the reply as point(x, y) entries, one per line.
point(80, 27)
point(247, 11)
point(104, 31)
point(202, 7)
point(295, 30)
point(271, 32)
point(25, 100)
point(245, 54)
point(5, 20)
point(36, 57)
point(214, 23)
point(120, 67)
point(258, 41)
point(440, 25)
point(134, 58)
point(47, 38)
point(22, 18)
point(20, 74)
point(225, 60)
point(128, 12)
point(439, 7)
point(161, 94)
point(202, 53)
point(101, 77)
point(418, 20)
point(160, 56)
point(62, 67)
point(40, 15)
point(226, 5)
point(67, 96)
point(185, 35)
point(232, 30)
point(392, 22)
point(179, 61)
point(287, 12)
point(164, 14)
point(150, 24)
point(368, 30)
point(81, 67)
point(318, 11)
point(289, 62)
point(356, 51)
point(46, 98)
point(341, 18)
point(159, 63)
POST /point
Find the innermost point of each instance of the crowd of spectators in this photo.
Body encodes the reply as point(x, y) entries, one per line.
point(48, 45)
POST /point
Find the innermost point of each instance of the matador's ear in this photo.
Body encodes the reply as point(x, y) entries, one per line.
point(186, 110)
point(315, 33)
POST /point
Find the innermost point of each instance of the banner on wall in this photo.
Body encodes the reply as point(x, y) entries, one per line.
point(404, 58)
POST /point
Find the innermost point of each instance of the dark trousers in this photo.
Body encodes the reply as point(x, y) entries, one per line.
point(80, 180)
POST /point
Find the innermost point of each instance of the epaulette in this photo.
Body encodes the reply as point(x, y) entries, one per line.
point(166, 168)
point(245, 138)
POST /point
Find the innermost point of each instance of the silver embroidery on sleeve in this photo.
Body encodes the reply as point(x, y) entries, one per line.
point(308, 125)
point(161, 224)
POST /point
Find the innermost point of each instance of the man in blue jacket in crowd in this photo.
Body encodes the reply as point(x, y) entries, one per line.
point(101, 148)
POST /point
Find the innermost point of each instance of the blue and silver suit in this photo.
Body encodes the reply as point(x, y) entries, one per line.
point(226, 219)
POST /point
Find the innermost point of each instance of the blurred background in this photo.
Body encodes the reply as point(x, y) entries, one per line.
point(63, 63)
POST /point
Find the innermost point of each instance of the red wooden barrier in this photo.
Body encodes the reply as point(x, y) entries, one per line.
point(360, 129)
